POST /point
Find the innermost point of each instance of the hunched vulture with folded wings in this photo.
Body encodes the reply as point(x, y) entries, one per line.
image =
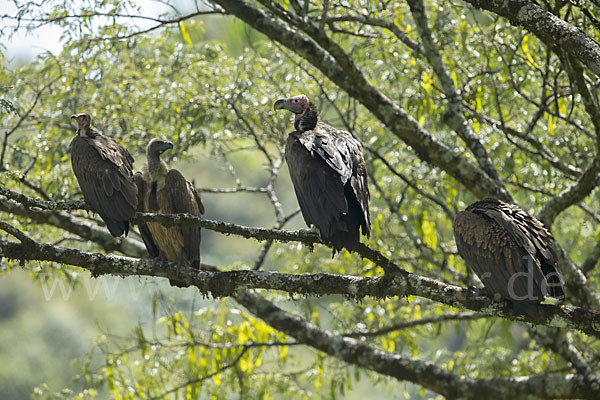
point(104, 170)
point(510, 251)
point(166, 191)
point(329, 175)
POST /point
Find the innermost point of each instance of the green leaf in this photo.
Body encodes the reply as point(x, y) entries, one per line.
point(429, 234)
point(185, 34)
point(525, 47)
point(551, 123)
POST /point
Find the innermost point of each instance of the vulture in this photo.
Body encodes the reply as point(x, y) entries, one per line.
point(104, 170)
point(329, 175)
point(511, 252)
point(165, 191)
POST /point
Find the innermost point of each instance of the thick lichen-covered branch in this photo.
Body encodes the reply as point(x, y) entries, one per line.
point(397, 280)
point(405, 368)
point(81, 227)
point(227, 283)
point(65, 205)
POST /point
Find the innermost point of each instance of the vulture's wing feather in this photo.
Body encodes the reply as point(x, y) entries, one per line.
point(112, 151)
point(360, 187)
point(333, 146)
point(334, 152)
point(543, 249)
point(143, 191)
point(519, 238)
point(176, 197)
point(105, 181)
point(535, 243)
point(197, 197)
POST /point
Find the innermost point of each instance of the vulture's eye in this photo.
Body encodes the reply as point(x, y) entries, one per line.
point(295, 100)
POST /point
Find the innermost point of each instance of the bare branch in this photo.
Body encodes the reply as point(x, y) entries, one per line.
point(204, 377)
point(592, 259)
point(587, 182)
point(413, 186)
point(379, 22)
point(417, 322)
point(555, 340)
point(14, 232)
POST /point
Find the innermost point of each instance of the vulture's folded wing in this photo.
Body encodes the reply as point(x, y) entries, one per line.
point(175, 198)
point(542, 247)
point(107, 186)
point(318, 187)
point(495, 257)
point(197, 197)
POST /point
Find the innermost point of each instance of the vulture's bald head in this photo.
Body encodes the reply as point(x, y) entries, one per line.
point(297, 104)
point(83, 123)
point(305, 112)
point(157, 146)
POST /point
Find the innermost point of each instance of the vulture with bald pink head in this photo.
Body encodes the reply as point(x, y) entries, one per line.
point(329, 175)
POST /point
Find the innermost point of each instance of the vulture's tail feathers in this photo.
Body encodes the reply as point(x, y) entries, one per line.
point(116, 228)
point(555, 288)
point(345, 231)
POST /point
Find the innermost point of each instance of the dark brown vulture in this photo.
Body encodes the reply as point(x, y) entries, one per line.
point(510, 251)
point(329, 175)
point(165, 191)
point(104, 170)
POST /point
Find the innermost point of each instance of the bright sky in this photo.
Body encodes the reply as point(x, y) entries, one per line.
point(23, 45)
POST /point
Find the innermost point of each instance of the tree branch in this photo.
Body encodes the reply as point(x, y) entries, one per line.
point(78, 226)
point(469, 315)
point(572, 195)
point(410, 283)
point(554, 339)
point(455, 116)
point(379, 22)
point(404, 368)
point(221, 284)
point(592, 259)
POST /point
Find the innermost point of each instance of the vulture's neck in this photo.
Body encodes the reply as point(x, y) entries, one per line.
point(308, 119)
point(86, 131)
point(157, 169)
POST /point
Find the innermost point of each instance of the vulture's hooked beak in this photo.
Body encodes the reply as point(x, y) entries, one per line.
point(73, 116)
point(279, 104)
point(167, 146)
